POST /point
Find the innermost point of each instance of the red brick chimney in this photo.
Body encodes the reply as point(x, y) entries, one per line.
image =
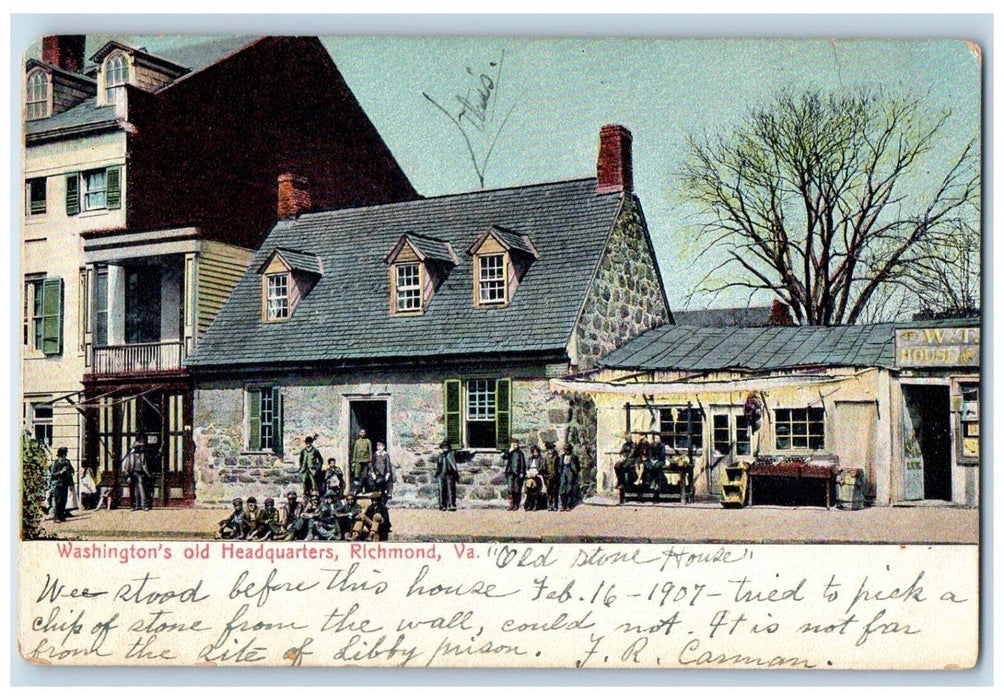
point(294, 196)
point(780, 314)
point(613, 165)
point(65, 51)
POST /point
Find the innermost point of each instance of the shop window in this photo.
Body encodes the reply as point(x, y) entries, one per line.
point(969, 419)
point(264, 419)
point(477, 412)
point(730, 434)
point(682, 428)
point(799, 429)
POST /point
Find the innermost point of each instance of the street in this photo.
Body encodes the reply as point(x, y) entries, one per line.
point(595, 521)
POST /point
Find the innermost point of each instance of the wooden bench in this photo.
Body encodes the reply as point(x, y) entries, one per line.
point(678, 477)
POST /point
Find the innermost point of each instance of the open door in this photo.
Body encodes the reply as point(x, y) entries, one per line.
point(927, 443)
point(913, 456)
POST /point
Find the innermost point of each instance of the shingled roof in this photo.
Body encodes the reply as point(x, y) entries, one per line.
point(695, 349)
point(181, 51)
point(345, 316)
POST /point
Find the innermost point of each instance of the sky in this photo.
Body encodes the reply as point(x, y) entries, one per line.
point(549, 98)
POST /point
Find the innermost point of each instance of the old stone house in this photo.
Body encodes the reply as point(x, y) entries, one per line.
point(437, 318)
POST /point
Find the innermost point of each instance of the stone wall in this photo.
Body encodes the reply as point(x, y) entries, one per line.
point(319, 405)
point(626, 297)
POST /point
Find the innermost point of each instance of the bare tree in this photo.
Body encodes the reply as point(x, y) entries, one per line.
point(827, 199)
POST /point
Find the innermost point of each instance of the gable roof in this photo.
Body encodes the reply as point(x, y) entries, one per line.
point(295, 260)
point(88, 115)
point(693, 348)
point(345, 317)
point(510, 240)
point(424, 247)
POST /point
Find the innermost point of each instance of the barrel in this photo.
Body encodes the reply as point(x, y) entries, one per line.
point(850, 489)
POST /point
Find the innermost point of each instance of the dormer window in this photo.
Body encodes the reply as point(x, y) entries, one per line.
point(277, 297)
point(501, 260)
point(116, 75)
point(37, 95)
point(417, 266)
point(287, 277)
point(409, 287)
point(491, 279)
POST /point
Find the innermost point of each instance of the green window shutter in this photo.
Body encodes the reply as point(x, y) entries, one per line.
point(451, 411)
point(254, 420)
point(52, 316)
point(72, 194)
point(276, 421)
point(503, 398)
point(113, 195)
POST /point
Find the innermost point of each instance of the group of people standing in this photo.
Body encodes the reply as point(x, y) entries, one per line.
point(543, 481)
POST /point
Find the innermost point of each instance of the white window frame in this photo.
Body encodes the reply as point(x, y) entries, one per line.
point(37, 102)
point(89, 187)
point(409, 293)
point(116, 73)
point(277, 305)
point(41, 423)
point(492, 289)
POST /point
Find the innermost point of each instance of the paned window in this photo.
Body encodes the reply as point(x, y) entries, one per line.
point(116, 74)
point(682, 428)
point(44, 301)
point(41, 422)
point(477, 412)
point(94, 190)
point(37, 97)
point(970, 421)
point(730, 434)
point(409, 289)
point(264, 419)
point(491, 279)
point(799, 429)
point(277, 297)
point(35, 191)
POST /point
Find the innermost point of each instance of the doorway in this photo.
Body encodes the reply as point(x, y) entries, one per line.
point(369, 415)
point(927, 443)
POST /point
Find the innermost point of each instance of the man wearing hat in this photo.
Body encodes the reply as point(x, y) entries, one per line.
point(362, 455)
point(232, 526)
point(551, 474)
point(60, 481)
point(311, 468)
point(515, 473)
point(446, 475)
point(134, 466)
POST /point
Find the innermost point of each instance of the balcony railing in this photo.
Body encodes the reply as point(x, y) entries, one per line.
point(138, 358)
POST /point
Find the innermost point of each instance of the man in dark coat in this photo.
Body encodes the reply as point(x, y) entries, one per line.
point(379, 478)
point(311, 468)
point(61, 481)
point(290, 513)
point(268, 526)
point(568, 468)
point(551, 474)
point(233, 527)
point(446, 476)
point(515, 473)
point(335, 479)
point(623, 467)
point(655, 477)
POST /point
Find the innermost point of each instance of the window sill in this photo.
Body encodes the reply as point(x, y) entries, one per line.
point(90, 213)
point(259, 453)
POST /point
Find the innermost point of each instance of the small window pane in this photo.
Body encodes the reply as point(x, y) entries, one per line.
point(409, 291)
point(278, 297)
point(37, 98)
point(36, 196)
point(491, 278)
point(95, 190)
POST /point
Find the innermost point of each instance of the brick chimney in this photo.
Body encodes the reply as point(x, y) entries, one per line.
point(613, 165)
point(294, 196)
point(65, 51)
